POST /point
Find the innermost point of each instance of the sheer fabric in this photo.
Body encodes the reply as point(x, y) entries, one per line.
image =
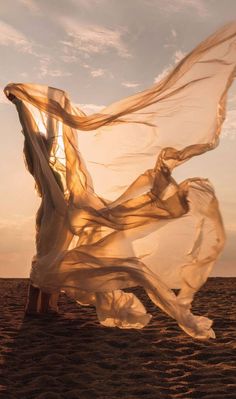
point(112, 216)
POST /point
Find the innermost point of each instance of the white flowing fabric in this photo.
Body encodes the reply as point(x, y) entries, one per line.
point(112, 216)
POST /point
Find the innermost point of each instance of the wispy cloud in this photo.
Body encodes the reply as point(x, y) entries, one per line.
point(163, 74)
point(176, 6)
point(171, 39)
point(178, 56)
point(68, 58)
point(24, 74)
point(92, 39)
point(31, 5)
point(130, 84)
point(46, 69)
point(89, 3)
point(95, 73)
point(90, 108)
point(173, 33)
point(9, 36)
point(229, 125)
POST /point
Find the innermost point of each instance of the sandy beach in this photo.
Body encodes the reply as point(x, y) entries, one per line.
point(71, 356)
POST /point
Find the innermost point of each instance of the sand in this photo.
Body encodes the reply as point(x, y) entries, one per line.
point(72, 356)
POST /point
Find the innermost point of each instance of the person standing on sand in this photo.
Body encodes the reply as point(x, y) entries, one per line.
point(38, 301)
point(111, 216)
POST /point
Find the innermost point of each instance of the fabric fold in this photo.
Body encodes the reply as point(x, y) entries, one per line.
point(112, 215)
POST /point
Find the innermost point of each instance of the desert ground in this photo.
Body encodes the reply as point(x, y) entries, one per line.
point(71, 356)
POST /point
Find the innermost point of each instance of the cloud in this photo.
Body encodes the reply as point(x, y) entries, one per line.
point(24, 74)
point(130, 84)
point(178, 6)
point(178, 56)
point(88, 3)
point(173, 33)
point(90, 108)
point(92, 39)
point(45, 69)
point(171, 39)
point(31, 5)
point(9, 36)
point(97, 72)
point(69, 59)
point(163, 74)
point(229, 125)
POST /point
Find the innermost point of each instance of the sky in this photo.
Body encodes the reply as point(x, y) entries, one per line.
point(100, 51)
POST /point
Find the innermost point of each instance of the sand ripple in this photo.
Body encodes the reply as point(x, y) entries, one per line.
point(73, 357)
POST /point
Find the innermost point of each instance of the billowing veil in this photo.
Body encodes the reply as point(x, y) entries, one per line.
point(112, 216)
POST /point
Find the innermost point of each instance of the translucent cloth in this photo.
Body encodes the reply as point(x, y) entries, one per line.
point(112, 216)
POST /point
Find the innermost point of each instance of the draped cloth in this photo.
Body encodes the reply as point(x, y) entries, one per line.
point(112, 216)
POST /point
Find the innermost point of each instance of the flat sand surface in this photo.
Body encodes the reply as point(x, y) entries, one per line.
point(71, 356)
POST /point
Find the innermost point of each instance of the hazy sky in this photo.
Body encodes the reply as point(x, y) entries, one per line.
point(100, 51)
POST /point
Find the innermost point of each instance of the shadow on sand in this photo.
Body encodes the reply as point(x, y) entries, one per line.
point(71, 356)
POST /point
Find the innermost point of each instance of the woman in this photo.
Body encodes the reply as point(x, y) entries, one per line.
point(112, 216)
